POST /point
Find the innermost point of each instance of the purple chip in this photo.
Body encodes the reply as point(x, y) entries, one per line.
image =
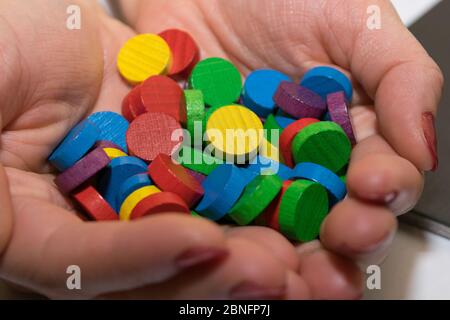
point(82, 171)
point(338, 110)
point(298, 101)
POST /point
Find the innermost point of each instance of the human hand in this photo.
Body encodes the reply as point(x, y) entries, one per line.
point(397, 90)
point(51, 78)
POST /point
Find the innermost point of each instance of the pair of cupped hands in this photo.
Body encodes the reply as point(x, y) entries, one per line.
point(52, 77)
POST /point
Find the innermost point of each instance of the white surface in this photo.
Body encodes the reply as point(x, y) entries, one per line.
point(411, 10)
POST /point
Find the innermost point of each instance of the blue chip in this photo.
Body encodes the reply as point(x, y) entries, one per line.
point(325, 80)
point(75, 145)
point(116, 173)
point(130, 185)
point(328, 179)
point(223, 188)
point(113, 127)
point(284, 121)
point(261, 164)
point(259, 89)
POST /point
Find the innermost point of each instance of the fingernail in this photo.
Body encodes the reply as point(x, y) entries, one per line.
point(248, 290)
point(429, 130)
point(200, 255)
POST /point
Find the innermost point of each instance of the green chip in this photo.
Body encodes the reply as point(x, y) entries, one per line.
point(195, 110)
point(197, 160)
point(195, 214)
point(257, 196)
point(269, 125)
point(303, 208)
point(218, 79)
point(324, 143)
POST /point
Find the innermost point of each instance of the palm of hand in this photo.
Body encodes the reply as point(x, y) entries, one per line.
point(79, 77)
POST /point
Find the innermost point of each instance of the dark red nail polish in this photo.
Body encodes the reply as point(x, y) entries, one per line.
point(251, 291)
point(429, 130)
point(199, 256)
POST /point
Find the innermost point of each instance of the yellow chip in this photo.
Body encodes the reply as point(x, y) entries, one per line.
point(133, 199)
point(113, 153)
point(144, 56)
point(234, 131)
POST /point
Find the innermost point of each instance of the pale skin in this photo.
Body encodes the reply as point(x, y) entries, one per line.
point(50, 78)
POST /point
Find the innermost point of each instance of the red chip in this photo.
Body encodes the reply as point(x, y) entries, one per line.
point(270, 216)
point(172, 177)
point(185, 52)
point(150, 134)
point(287, 136)
point(132, 106)
point(163, 94)
point(95, 206)
point(159, 203)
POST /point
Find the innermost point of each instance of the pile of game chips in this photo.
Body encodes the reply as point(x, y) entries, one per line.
point(268, 151)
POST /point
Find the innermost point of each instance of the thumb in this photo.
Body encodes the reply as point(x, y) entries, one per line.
point(405, 83)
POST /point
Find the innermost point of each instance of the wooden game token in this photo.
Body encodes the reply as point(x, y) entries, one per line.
point(197, 160)
point(115, 174)
point(172, 177)
point(262, 165)
point(258, 194)
point(234, 131)
point(82, 171)
point(288, 135)
point(75, 145)
point(339, 113)
point(151, 134)
point(218, 79)
point(163, 94)
point(195, 109)
point(303, 207)
point(94, 205)
point(324, 143)
point(112, 126)
point(162, 202)
point(132, 105)
point(283, 122)
point(268, 150)
point(325, 80)
point(144, 56)
point(185, 52)
point(270, 216)
point(107, 144)
point(133, 199)
point(208, 114)
point(298, 101)
point(114, 153)
point(223, 187)
point(197, 176)
point(272, 130)
point(259, 89)
point(130, 185)
point(328, 179)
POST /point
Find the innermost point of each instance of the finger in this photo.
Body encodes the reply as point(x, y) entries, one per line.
point(111, 256)
point(359, 230)
point(6, 212)
point(330, 276)
point(404, 82)
point(378, 174)
point(271, 241)
point(250, 272)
